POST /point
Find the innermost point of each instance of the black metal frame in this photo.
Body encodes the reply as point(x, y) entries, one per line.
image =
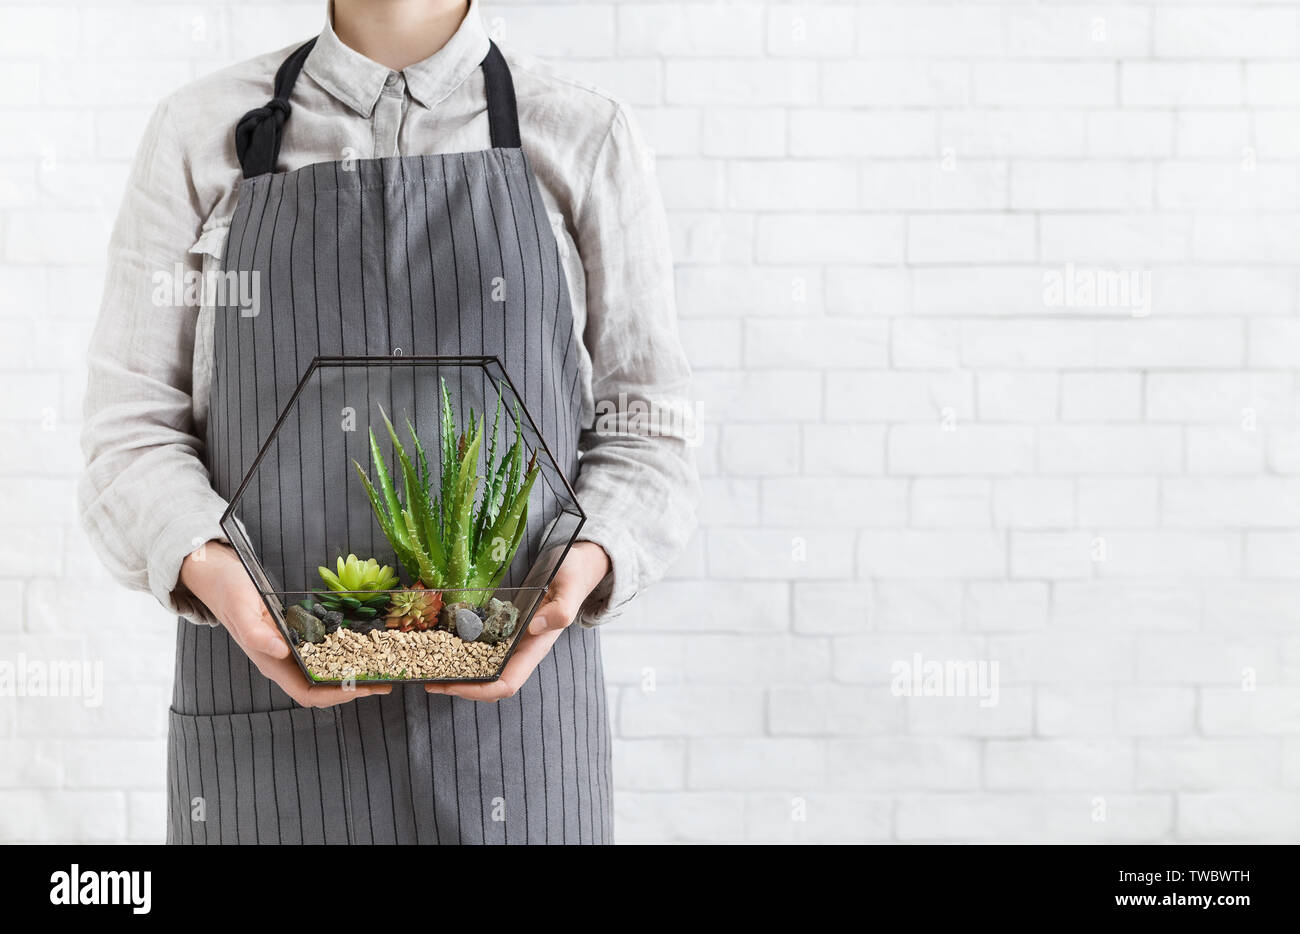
point(230, 525)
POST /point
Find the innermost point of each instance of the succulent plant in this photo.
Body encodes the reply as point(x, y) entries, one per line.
point(358, 588)
point(414, 609)
point(448, 536)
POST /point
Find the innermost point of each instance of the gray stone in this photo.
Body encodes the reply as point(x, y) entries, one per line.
point(308, 627)
point(332, 619)
point(447, 618)
point(502, 617)
point(468, 626)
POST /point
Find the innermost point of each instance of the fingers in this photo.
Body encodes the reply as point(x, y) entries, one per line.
point(251, 626)
point(257, 632)
point(489, 693)
point(583, 569)
point(215, 576)
point(290, 679)
point(558, 610)
point(531, 650)
point(320, 695)
point(272, 642)
point(551, 617)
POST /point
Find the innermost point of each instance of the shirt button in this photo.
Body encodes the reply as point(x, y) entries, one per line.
point(391, 80)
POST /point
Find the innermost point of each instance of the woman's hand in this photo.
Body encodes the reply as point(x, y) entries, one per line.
point(215, 576)
point(584, 567)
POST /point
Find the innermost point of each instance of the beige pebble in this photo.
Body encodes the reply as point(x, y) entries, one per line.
point(433, 654)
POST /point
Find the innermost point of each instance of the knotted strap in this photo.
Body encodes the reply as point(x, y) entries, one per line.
point(259, 132)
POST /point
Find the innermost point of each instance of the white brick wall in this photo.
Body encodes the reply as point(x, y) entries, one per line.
point(909, 450)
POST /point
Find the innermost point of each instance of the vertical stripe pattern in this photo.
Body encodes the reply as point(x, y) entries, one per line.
point(429, 255)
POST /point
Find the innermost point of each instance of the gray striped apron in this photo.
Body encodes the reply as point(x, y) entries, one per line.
point(361, 259)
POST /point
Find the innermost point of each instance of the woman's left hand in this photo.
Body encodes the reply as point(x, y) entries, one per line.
point(584, 567)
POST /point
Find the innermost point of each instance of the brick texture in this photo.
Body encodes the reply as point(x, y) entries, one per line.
point(993, 309)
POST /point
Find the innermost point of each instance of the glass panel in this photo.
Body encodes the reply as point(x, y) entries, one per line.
point(304, 506)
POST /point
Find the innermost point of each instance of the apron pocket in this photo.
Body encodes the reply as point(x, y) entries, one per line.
point(264, 777)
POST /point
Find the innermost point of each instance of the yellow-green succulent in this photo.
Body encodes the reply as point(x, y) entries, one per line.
point(357, 588)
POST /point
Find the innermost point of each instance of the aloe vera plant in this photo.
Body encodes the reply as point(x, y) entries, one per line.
point(444, 533)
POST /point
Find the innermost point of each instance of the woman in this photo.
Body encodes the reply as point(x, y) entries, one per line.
point(256, 754)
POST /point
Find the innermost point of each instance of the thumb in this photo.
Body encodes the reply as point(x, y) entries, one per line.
point(559, 608)
point(258, 633)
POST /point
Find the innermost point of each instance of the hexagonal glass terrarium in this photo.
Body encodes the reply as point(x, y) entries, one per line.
point(403, 520)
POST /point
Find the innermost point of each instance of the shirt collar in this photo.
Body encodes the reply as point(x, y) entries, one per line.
point(358, 81)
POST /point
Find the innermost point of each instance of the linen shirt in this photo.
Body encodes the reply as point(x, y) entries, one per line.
point(145, 498)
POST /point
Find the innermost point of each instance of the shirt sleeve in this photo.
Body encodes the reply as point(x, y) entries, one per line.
point(145, 497)
point(637, 479)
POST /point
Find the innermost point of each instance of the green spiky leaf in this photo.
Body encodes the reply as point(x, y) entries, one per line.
point(456, 539)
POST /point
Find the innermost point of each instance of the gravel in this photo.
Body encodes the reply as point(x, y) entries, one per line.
point(391, 653)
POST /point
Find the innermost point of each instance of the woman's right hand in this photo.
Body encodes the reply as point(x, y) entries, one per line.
point(215, 576)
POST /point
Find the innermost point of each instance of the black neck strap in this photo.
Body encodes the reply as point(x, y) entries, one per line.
point(503, 112)
point(260, 131)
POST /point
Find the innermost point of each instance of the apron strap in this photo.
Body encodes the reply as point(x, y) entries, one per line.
point(503, 114)
point(259, 132)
